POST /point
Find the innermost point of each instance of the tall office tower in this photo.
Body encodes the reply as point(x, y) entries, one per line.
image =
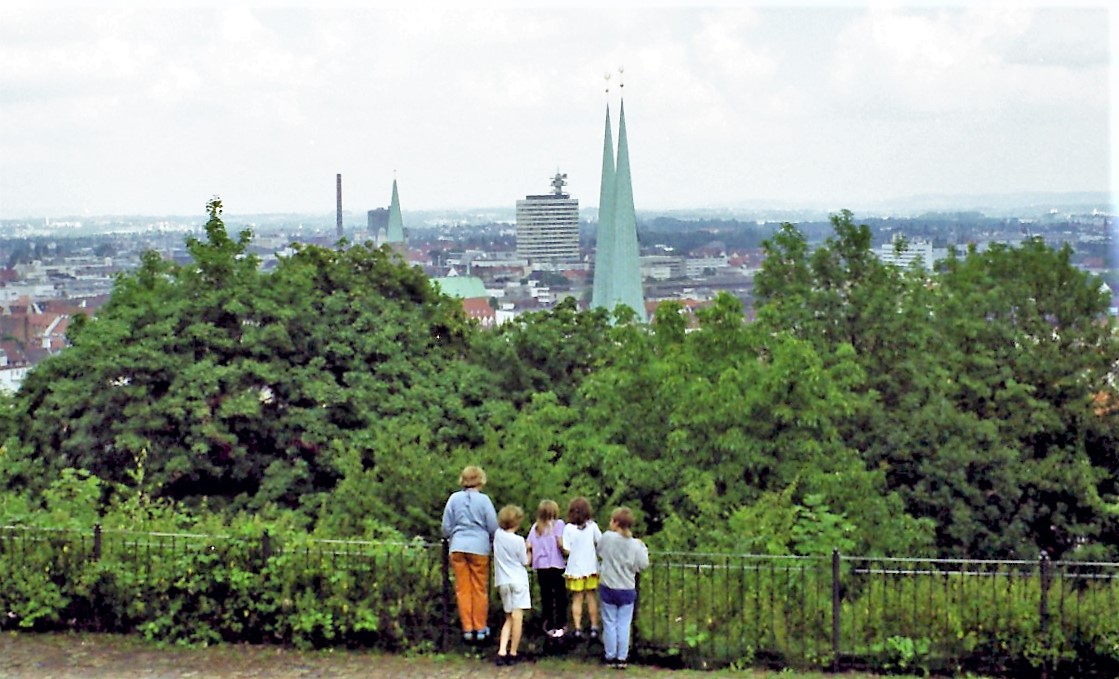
point(338, 211)
point(394, 233)
point(548, 225)
point(617, 262)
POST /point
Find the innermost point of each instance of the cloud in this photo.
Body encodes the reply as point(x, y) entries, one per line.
point(147, 109)
point(928, 63)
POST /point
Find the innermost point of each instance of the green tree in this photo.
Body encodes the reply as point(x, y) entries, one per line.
point(981, 377)
point(247, 388)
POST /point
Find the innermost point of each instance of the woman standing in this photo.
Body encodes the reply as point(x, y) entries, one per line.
point(469, 522)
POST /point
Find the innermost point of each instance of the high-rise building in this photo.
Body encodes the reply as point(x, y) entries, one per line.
point(617, 261)
point(548, 225)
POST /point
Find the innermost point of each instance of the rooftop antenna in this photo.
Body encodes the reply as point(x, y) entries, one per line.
point(558, 182)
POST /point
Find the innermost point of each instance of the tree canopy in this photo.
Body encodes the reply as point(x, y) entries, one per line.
point(963, 409)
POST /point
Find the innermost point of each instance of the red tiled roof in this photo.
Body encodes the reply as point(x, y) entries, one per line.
point(477, 307)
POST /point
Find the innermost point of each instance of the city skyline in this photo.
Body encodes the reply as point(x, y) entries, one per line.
point(128, 111)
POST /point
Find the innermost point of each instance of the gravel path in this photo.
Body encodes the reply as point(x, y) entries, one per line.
point(102, 656)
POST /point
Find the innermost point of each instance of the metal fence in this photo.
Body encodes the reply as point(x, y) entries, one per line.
point(1010, 617)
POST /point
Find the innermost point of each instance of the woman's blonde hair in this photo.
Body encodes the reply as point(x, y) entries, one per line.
point(472, 477)
point(546, 513)
point(510, 516)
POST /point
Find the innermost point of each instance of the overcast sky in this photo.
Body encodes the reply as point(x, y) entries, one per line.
point(130, 111)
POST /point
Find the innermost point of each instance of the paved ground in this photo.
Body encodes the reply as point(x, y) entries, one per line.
point(96, 656)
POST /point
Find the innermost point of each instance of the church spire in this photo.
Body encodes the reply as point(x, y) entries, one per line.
point(627, 279)
point(395, 231)
point(602, 294)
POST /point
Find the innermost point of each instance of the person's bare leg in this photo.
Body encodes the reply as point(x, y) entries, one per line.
point(517, 618)
point(577, 610)
point(592, 608)
point(507, 632)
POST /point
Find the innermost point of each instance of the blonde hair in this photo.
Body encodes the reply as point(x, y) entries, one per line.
point(546, 513)
point(472, 477)
point(510, 517)
point(622, 518)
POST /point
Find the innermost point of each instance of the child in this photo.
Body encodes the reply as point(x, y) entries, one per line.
point(623, 556)
point(580, 538)
point(548, 562)
point(510, 556)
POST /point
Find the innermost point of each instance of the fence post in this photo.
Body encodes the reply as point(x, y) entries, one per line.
point(1044, 574)
point(633, 634)
point(96, 542)
point(835, 610)
point(446, 558)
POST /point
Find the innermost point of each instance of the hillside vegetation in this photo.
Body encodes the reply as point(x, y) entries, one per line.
point(966, 411)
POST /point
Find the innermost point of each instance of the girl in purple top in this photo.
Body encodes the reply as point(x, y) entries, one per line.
point(548, 564)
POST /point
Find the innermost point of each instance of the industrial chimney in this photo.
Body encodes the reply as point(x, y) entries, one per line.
point(338, 216)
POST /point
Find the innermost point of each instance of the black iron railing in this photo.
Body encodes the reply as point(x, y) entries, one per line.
point(1010, 617)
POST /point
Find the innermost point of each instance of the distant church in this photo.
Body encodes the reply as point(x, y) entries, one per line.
point(617, 262)
point(387, 225)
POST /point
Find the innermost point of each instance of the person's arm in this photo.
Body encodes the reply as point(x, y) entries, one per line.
point(491, 518)
point(641, 561)
point(448, 517)
point(526, 552)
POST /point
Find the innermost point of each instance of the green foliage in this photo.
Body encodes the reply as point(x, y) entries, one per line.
point(242, 387)
point(983, 379)
point(903, 654)
point(243, 586)
point(961, 410)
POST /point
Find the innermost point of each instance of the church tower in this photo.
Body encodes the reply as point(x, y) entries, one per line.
point(617, 262)
point(602, 294)
point(395, 231)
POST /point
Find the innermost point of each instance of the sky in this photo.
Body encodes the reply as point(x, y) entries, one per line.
point(121, 110)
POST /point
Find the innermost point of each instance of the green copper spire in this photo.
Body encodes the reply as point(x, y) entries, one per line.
point(395, 232)
point(626, 287)
point(602, 295)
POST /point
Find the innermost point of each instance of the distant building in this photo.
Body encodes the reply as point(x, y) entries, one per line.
point(914, 251)
point(617, 264)
point(703, 266)
point(474, 295)
point(548, 225)
point(463, 287)
point(394, 230)
point(663, 267)
point(480, 310)
point(377, 221)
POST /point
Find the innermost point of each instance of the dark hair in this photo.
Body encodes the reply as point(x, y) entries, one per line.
point(579, 511)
